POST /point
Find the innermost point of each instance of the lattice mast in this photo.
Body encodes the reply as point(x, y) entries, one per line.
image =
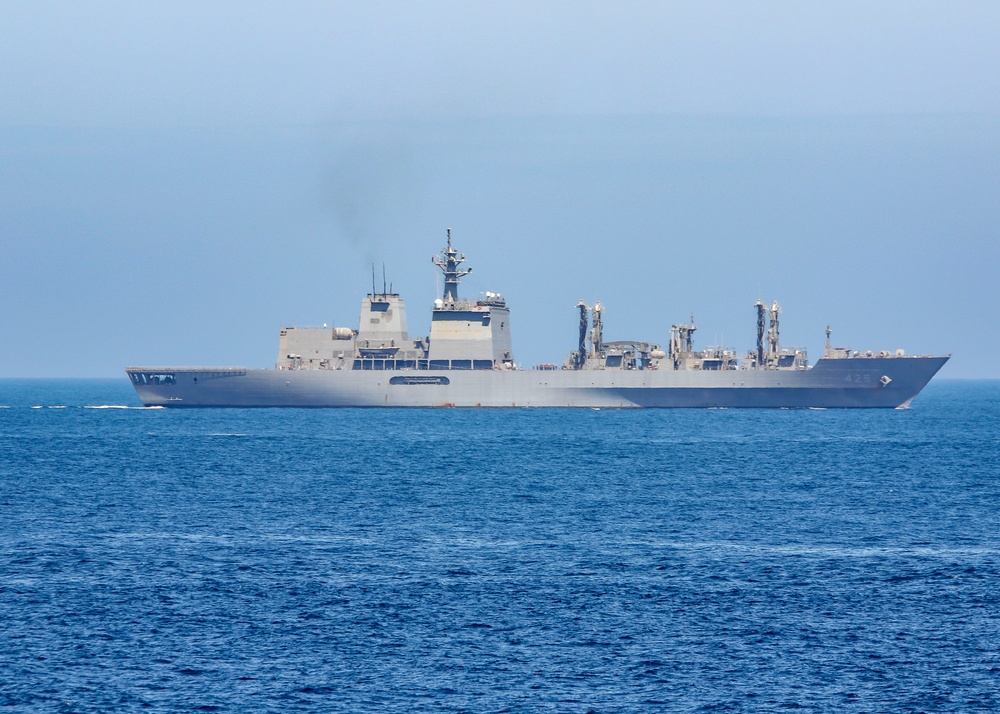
point(449, 262)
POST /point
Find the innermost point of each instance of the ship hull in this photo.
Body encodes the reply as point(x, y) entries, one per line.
point(890, 382)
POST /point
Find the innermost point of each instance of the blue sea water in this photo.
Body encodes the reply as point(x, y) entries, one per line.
point(497, 560)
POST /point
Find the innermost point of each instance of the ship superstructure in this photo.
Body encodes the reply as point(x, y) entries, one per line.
point(468, 360)
point(465, 334)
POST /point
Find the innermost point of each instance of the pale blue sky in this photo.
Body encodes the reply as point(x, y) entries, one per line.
point(182, 179)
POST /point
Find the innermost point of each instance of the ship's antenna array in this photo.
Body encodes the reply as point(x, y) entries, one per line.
point(449, 262)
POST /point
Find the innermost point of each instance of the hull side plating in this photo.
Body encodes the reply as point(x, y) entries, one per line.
point(856, 383)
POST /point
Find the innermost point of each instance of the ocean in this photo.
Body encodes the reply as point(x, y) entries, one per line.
point(497, 560)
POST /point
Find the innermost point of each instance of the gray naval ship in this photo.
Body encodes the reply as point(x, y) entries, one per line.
point(468, 361)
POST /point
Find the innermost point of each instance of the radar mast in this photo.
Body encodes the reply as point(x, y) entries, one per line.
point(449, 262)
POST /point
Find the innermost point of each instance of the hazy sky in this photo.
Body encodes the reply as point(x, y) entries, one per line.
point(181, 179)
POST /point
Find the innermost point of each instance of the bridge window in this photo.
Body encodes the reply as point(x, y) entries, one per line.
point(154, 378)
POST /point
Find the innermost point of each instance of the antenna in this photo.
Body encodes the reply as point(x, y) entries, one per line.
point(448, 263)
point(373, 280)
point(383, 278)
